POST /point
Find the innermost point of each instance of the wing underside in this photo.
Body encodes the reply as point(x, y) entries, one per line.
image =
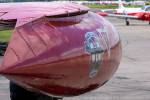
point(123, 16)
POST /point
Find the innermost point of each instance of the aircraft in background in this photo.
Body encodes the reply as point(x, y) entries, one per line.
point(129, 13)
point(144, 16)
point(122, 10)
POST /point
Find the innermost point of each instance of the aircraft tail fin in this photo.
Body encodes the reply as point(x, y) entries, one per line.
point(120, 4)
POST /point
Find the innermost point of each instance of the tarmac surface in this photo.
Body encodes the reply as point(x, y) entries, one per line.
point(132, 79)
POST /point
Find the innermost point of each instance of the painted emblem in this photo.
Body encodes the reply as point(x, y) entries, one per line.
point(93, 47)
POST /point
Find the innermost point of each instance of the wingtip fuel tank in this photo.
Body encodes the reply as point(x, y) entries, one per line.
point(63, 56)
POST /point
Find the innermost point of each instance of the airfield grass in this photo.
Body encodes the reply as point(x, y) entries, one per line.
point(109, 6)
point(5, 35)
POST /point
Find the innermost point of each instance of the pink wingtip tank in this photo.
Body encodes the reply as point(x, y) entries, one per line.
point(63, 55)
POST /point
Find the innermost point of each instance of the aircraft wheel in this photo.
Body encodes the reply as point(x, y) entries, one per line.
point(127, 23)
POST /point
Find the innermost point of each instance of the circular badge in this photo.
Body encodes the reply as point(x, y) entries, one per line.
point(93, 47)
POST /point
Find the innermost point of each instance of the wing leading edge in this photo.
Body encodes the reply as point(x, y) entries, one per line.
point(119, 16)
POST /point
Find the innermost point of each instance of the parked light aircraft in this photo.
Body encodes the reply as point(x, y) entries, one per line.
point(144, 16)
point(59, 49)
point(122, 10)
point(129, 13)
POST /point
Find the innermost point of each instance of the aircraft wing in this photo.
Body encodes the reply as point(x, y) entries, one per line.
point(119, 16)
point(123, 16)
point(108, 10)
point(22, 13)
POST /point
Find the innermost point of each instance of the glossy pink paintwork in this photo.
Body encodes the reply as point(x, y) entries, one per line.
point(27, 12)
point(48, 55)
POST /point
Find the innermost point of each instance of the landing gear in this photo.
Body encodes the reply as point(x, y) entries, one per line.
point(127, 22)
point(149, 23)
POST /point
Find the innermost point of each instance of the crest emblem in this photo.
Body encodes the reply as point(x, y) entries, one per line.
point(93, 47)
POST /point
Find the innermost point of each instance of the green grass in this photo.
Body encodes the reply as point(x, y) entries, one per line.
point(108, 6)
point(102, 6)
point(5, 35)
